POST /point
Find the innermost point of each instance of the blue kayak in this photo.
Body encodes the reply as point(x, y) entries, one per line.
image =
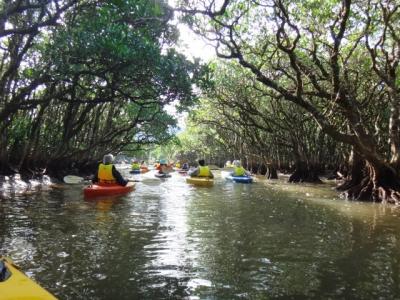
point(163, 175)
point(240, 179)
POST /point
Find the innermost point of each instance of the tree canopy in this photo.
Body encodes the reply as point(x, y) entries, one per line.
point(336, 62)
point(83, 78)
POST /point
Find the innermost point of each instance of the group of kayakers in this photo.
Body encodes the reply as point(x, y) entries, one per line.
point(182, 165)
point(107, 173)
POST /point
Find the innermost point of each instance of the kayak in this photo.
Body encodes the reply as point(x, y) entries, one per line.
point(163, 175)
point(183, 172)
point(16, 285)
point(107, 189)
point(240, 179)
point(135, 171)
point(200, 181)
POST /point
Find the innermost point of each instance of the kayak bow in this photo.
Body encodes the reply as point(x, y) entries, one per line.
point(240, 179)
point(163, 175)
point(107, 189)
point(16, 285)
point(200, 181)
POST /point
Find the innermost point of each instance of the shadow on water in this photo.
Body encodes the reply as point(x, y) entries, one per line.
point(171, 240)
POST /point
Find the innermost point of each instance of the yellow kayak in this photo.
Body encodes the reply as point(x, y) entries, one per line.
point(200, 181)
point(15, 285)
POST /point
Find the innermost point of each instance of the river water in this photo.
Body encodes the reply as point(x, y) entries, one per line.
point(170, 240)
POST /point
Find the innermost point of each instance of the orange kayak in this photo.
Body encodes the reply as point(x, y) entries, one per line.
point(107, 189)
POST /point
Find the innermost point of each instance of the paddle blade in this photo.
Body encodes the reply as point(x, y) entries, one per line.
point(151, 181)
point(72, 179)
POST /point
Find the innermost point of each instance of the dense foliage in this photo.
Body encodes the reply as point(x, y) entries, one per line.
point(247, 124)
point(334, 61)
point(79, 79)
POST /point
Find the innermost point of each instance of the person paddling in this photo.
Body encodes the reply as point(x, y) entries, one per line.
point(135, 165)
point(239, 170)
point(185, 166)
point(107, 173)
point(201, 171)
point(163, 167)
point(143, 165)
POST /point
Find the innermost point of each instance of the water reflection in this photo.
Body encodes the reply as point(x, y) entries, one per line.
point(170, 240)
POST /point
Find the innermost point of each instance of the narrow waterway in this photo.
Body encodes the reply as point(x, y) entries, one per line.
point(170, 240)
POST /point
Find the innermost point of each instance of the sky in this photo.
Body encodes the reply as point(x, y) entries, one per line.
point(192, 46)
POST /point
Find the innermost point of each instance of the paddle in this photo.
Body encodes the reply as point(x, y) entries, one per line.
point(133, 180)
point(72, 179)
point(151, 181)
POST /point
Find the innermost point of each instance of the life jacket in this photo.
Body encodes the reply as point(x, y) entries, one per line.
point(135, 166)
point(239, 171)
point(204, 171)
point(105, 174)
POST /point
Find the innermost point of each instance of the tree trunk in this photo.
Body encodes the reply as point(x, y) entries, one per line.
point(271, 172)
point(377, 184)
point(368, 181)
point(355, 172)
point(304, 173)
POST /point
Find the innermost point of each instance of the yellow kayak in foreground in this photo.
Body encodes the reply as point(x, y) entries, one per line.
point(15, 285)
point(200, 181)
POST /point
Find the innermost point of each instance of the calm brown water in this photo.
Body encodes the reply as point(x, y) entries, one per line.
point(169, 240)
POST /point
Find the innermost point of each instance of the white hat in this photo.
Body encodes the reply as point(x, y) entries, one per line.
point(108, 158)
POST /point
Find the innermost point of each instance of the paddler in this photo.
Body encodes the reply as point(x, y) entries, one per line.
point(107, 173)
point(238, 170)
point(185, 166)
point(143, 165)
point(228, 164)
point(163, 167)
point(201, 171)
point(135, 165)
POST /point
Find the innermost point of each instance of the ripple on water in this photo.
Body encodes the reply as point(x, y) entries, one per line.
point(195, 283)
point(62, 254)
point(100, 276)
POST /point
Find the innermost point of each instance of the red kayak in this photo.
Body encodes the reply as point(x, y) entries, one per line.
point(107, 189)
